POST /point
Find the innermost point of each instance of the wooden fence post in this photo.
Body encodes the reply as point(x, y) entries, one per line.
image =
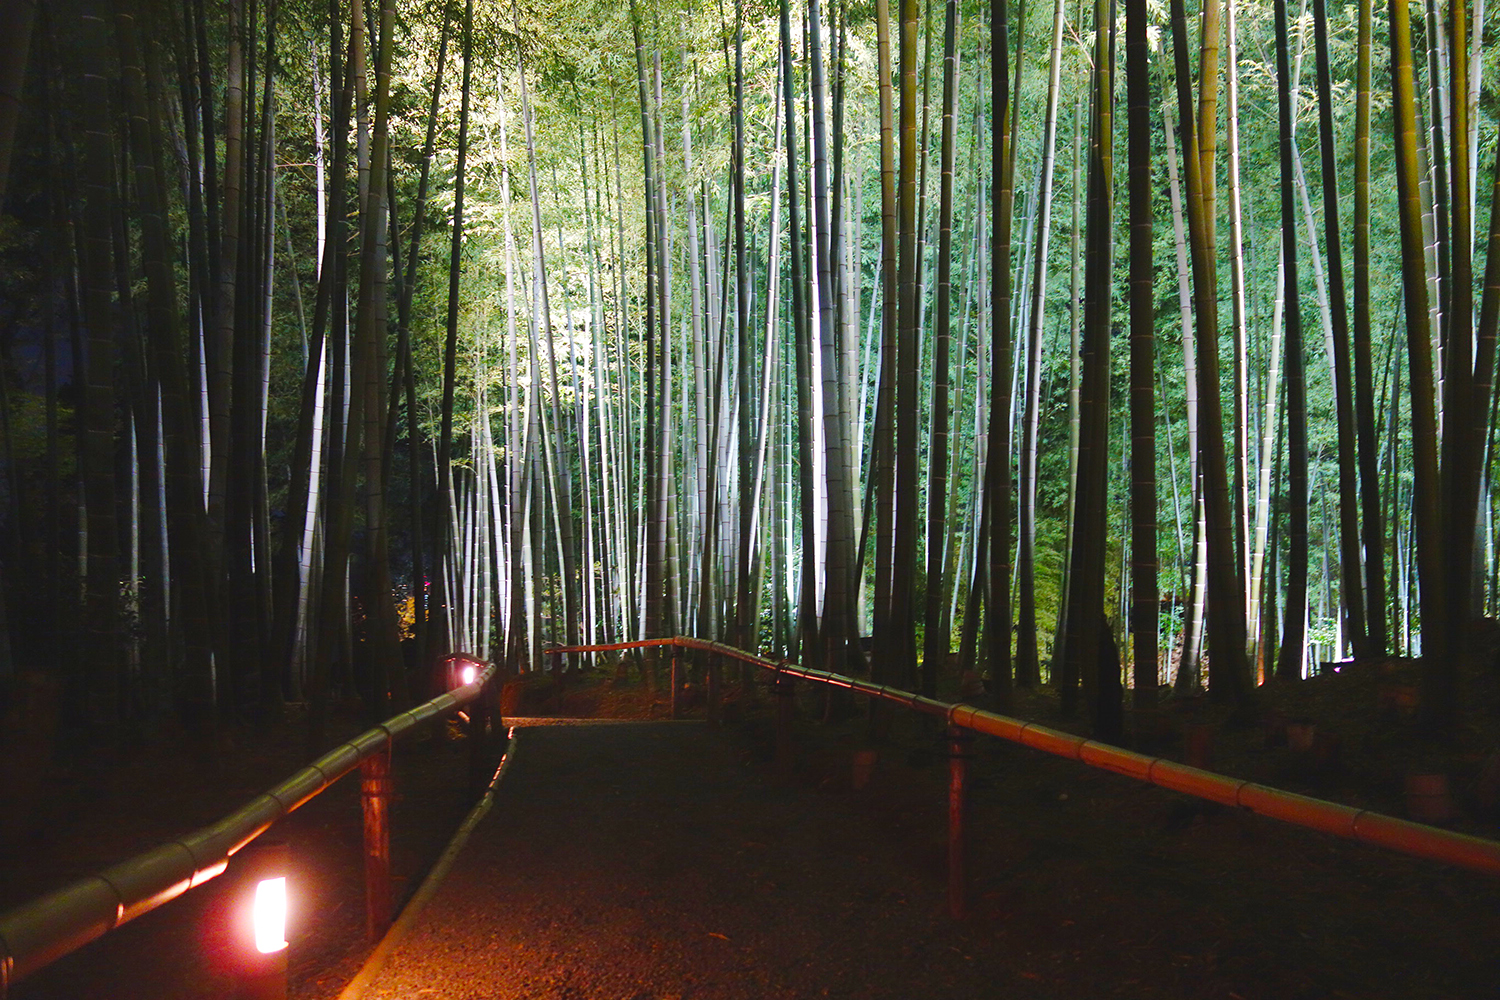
point(375, 791)
point(715, 710)
point(784, 694)
point(479, 726)
point(958, 760)
point(676, 682)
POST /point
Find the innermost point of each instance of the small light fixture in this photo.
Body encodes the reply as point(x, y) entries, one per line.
point(468, 673)
point(264, 966)
point(270, 915)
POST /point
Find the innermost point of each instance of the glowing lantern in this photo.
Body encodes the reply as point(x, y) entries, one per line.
point(468, 673)
point(263, 968)
point(270, 915)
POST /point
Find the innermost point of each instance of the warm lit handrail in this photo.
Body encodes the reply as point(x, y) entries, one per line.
point(37, 933)
point(1367, 826)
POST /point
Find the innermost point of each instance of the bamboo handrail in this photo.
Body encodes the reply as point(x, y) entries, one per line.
point(41, 931)
point(45, 929)
point(1363, 825)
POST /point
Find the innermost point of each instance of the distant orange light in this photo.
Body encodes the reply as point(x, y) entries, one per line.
point(270, 915)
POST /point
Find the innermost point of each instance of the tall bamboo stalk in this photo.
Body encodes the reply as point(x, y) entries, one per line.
point(1426, 515)
point(1228, 680)
point(937, 640)
point(1289, 664)
point(1145, 601)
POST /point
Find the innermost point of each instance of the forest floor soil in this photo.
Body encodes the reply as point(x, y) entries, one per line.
point(1082, 883)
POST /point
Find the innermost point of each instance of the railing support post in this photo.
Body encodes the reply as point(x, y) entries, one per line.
point(715, 713)
point(784, 693)
point(479, 726)
point(676, 682)
point(375, 792)
point(958, 760)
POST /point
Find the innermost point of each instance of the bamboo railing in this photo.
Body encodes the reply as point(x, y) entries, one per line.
point(1364, 825)
point(38, 933)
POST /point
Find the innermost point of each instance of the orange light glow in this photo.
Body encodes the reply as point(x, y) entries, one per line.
point(270, 915)
point(468, 674)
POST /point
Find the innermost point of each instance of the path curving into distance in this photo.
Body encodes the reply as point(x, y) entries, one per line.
point(671, 861)
point(651, 860)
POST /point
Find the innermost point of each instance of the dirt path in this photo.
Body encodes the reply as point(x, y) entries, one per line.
point(666, 860)
point(662, 860)
point(650, 860)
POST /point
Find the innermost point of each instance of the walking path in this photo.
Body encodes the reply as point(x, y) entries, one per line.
point(651, 860)
point(670, 861)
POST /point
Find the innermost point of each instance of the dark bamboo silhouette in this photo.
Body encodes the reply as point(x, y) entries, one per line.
point(1145, 601)
point(1294, 627)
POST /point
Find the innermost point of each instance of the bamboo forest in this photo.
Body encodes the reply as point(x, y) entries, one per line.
point(1120, 350)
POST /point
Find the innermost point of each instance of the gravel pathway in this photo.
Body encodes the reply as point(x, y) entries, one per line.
point(629, 862)
point(657, 860)
point(669, 861)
